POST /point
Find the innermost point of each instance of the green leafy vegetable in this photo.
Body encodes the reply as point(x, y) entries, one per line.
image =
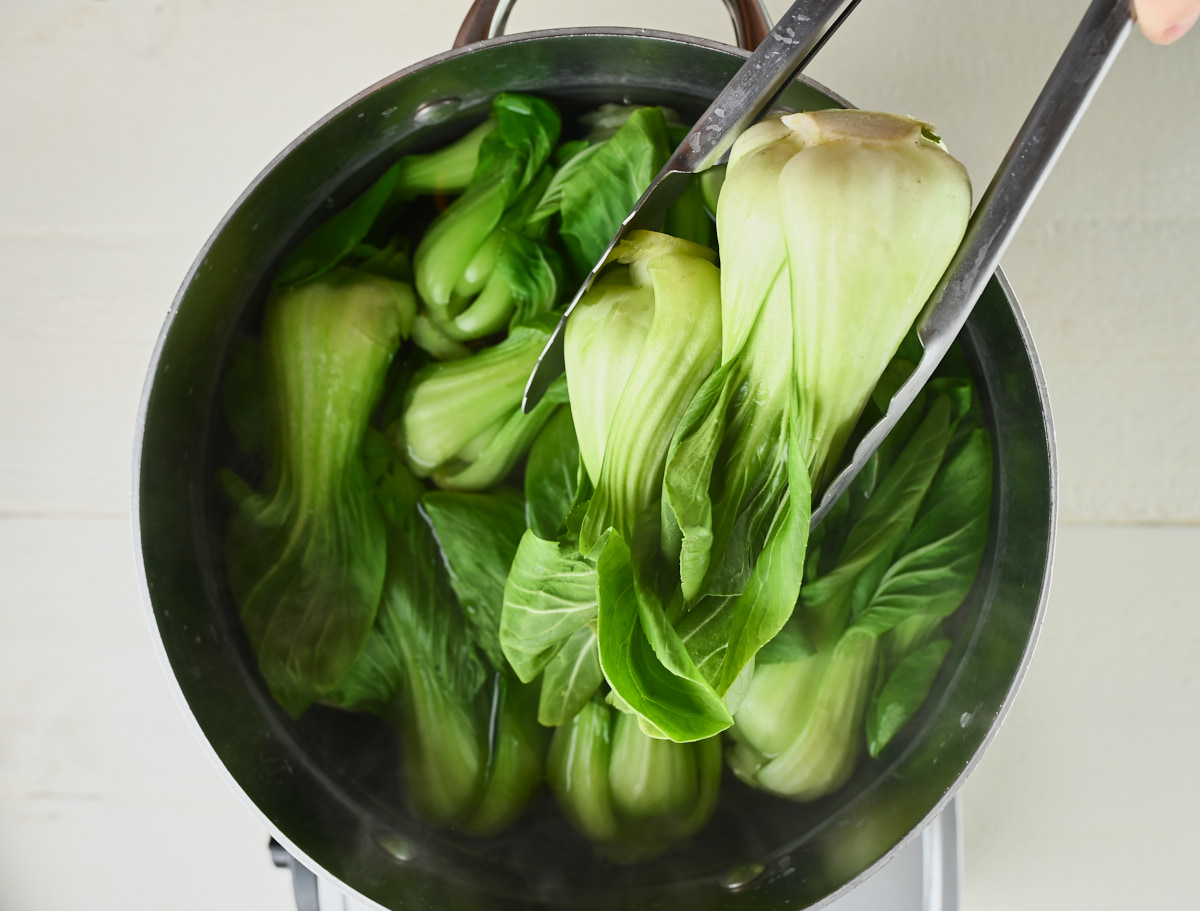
point(548, 625)
point(463, 423)
point(430, 338)
point(548, 622)
point(625, 573)
point(472, 750)
point(596, 197)
point(637, 347)
point(516, 763)
point(571, 678)
point(899, 558)
point(306, 555)
point(550, 595)
point(643, 658)
point(833, 227)
point(335, 237)
point(902, 693)
point(511, 280)
point(420, 670)
point(819, 742)
point(511, 156)
point(478, 534)
point(632, 794)
point(552, 475)
point(869, 211)
point(446, 170)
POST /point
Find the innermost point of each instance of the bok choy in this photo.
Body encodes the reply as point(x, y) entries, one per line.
point(459, 262)
point(471, 749)
point(894, 560)
point(462, 422)
point(833, 228)
point(631, 794)
point(615, 594)
point(306, 553)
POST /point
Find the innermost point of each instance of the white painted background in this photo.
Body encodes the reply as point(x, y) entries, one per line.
point(128, 127)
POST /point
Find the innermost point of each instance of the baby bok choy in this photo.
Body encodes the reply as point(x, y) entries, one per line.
point(471, 751)
point(462, 422)
point(474, 266)
point(445, 170)
point(833, 227)
point(306, 553)
point(612, 591)
point(893, 561)
point(477, 535)
point(640, 343)
point(633, 795)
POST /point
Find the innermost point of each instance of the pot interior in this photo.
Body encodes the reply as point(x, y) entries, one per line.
point(325, 784)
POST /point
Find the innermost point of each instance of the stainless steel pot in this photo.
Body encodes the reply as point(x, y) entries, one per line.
point(323, 785)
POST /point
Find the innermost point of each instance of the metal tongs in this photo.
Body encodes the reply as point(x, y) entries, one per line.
point(794, 40)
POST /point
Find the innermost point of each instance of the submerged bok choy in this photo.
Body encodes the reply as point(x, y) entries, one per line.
point(632, 794)
point(897, 556)
point(833, 227)
point(474, 266)
point(471, 750)
point(445, 170)
point(462, 422)
point(306, 554)
point(608, 592)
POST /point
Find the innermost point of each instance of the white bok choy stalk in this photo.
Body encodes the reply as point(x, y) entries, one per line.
point(462, 423)
point(633, 795)
point(638, 346)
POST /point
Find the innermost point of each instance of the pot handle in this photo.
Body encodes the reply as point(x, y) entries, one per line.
point(486, 19)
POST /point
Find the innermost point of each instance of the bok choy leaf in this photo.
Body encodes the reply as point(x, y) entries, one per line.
point(306, 554)
point(420, 670)
point(893, 564)
point(511, 157)
point(833, 227)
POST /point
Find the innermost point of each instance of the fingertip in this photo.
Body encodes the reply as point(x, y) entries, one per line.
point(1166, 32)
point(1177, 31)
point(1156, 37)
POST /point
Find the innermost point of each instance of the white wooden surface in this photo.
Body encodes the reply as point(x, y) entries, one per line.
point(127, 128)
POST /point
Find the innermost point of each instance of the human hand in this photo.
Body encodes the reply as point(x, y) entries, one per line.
point(1166, 21)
